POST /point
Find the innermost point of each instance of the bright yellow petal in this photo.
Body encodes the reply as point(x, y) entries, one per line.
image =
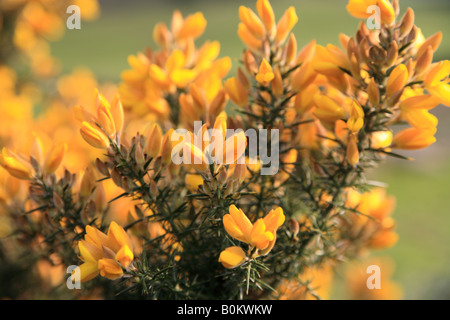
point(237, 224)
point(118, 236)
point(125, 256)
point(90, 252)
point(274, 219)
point(110, 269)
point(260, 237)
point(88, 271)
point(232, 257)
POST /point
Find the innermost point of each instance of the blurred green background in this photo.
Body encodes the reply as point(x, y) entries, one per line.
point(422, 186)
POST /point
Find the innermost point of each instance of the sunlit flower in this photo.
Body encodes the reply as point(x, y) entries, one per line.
point(260, 235)
point(265, 74)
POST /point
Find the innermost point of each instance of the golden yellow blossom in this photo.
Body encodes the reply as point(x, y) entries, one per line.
point(359, 9)
point(15, 165)
point(414, 138)
point(285, 25)
point(232, 257)
point(105, 254)
point(94, 135)
point(265, 74)
point(261, 234)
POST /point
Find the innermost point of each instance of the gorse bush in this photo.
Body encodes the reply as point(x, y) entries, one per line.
point(182, 182)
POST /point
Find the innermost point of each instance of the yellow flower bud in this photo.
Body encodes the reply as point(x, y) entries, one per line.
point(397, 80)
point(104, 116)
point(277, 83)
point(110, 269)
point(125, 256)
point(327, 109)
point(358, 9)
point(94, 135)
point(266, 14)
point(193, 26)
point(387, 12)
point(248, 38)
point(356, 120)
point(291, 49)
point(303, 77)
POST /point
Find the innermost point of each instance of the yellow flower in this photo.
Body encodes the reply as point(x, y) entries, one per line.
point(285, 25)
point(105, 254)
point(232, 257)
point(374, 225)
point(89, 9)
point(352, 150)
point(397, 80)
point(327, 108)
point(310, 284)
point(15, 165)
point(414, 138)
point(195, 158)
point(266, 14)
point(154, 141)
point(265, 74)
point(303, 77)
point(252, 22)
point(107, 123)
point(261, 234)
point(356, 120)
point(437, 81)
point(193, 181)
point(54, 158)
point(217, 149)
point(356, 277)
point(236, 91)
point(359, 9)
point(104, 116)
point(193, 26)
point(381, 139)
point(248, 38)
point(94, 135)
point(423, 101)
point(373, 93)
